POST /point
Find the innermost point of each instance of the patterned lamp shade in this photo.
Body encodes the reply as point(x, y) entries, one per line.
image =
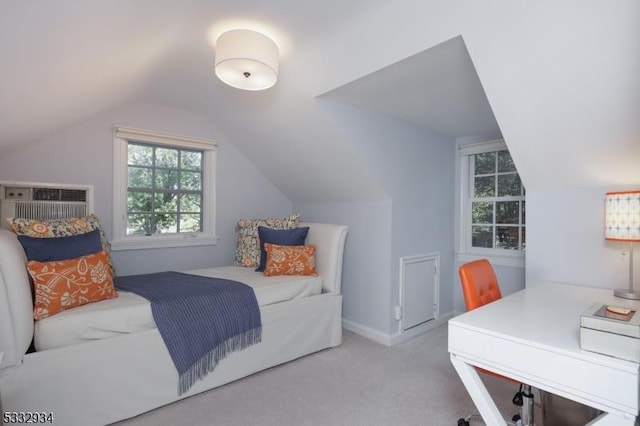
point(622, 216)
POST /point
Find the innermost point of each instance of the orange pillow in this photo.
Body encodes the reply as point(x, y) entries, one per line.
point(65, 284)
point(290, 260)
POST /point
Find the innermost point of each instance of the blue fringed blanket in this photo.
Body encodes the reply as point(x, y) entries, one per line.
point(201, 319)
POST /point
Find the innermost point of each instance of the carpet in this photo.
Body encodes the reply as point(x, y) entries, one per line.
point(358, 383)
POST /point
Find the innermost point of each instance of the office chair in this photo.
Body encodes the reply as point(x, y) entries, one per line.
point(479, 287)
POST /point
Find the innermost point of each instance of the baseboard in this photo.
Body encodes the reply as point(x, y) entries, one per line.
point(405, 335)
point(400, 337)
point(369, 333)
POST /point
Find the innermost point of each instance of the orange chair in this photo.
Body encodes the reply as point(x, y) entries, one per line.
point(479, 287)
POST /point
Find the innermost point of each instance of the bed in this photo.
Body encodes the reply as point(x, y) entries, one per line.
point(116, 365)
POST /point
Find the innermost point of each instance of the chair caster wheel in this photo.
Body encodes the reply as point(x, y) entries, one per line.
point(463, 422)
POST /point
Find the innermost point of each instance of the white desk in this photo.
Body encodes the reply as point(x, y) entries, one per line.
point(533, 336)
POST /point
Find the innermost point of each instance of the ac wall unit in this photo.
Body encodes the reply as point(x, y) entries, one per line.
point(43, 201)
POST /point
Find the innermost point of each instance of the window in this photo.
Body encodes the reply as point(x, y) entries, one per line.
point(492, 204)
point(164, 194)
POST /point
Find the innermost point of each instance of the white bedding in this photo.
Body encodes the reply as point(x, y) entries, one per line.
point(130, 313)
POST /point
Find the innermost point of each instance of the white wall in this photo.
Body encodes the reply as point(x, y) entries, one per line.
point(566, 240)
point(562, 77)
point(82, 154)
point(415, 167)
point(563, 81)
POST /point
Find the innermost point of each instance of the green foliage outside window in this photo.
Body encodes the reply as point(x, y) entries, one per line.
point(497, 202)
point(164, 190)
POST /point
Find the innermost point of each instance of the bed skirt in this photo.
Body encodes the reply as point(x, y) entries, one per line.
point(113, 379)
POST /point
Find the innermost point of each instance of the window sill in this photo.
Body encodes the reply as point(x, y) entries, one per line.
point(141, 243)
point(514, 261)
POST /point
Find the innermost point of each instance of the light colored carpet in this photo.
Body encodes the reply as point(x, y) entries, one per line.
point(357, 383)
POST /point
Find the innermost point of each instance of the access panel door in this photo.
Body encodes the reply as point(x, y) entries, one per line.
point(419, 287)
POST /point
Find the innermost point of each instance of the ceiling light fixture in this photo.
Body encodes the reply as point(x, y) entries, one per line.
point(246, 60)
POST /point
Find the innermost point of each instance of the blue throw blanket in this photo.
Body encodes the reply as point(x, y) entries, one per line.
point(201, 319)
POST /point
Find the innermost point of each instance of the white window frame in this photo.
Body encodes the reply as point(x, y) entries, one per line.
point(465, 251)
point(120, 240)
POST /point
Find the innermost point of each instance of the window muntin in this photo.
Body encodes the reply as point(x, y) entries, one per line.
point(497, 202)
point(164, 190)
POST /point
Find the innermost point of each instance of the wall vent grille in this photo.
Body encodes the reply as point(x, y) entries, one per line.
point(49, 210)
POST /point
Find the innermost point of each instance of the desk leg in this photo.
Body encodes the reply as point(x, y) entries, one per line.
point(606, 419)
point(478, 392)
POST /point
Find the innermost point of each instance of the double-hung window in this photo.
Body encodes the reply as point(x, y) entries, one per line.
point(492, 204)
point(164, 190)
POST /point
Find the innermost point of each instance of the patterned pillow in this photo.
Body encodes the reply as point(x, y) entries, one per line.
point(248, 248)
point(290, 260)
point(65, 284)
point(61, 228)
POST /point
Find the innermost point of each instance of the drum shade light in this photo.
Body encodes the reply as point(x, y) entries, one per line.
point(246, 60)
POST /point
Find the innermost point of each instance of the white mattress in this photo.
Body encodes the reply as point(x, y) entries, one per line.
point(130, 313)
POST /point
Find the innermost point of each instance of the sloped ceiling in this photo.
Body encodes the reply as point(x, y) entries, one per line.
point(562, 80)
point(437, 88)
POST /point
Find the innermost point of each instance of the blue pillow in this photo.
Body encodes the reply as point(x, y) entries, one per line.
point(282, 237)
point(61, 248)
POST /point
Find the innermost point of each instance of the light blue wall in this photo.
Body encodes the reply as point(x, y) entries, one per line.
point(82, 154)
point(416, 168)
point(366, 265)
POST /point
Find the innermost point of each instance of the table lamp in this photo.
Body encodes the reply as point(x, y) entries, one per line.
point(622, 223)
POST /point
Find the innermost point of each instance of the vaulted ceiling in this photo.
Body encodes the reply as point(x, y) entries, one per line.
point(64, 61)
point(561, 82)
point(437, 88)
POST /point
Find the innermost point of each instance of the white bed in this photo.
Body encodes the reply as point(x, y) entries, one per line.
point(131, 313)
point(116, 366)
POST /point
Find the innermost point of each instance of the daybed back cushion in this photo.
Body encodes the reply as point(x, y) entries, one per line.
point(248, 248)
point(329, 240)
point(57, 228)
point(16, 306)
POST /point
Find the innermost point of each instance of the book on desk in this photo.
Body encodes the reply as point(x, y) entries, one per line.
point(611, 330)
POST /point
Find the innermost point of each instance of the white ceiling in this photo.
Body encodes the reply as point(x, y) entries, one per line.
point(437, 89)
point(556, 77)
point(64, 61)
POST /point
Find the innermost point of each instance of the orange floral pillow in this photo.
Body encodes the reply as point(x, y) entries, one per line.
point(290, 260)
point(65, 284)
